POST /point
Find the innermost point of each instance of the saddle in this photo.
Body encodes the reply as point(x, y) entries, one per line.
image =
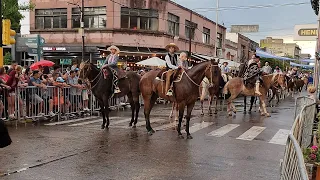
point(118, 73)
point(162, 75)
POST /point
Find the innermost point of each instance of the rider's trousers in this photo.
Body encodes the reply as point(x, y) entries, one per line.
point(168, 79)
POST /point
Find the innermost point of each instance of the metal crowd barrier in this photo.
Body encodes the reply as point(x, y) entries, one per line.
point(51, 103)
point(300, 136)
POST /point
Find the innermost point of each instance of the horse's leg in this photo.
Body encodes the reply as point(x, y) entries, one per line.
point(107, 110)
point(137, 108)
point(263, 104)
point(230, 104)
point(245, 105)
point(172, 110)
point(252, 99)
point(278, 96)
point(132, 104)
point(216, 104)
point(272, 97)
point(148, 105)
point(201, 105)
point(176, 108)
point(102, 107)
point(181, 111)
point(188, 117)
point(209, 103)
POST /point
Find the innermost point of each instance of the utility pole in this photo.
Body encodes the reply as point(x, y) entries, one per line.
point(190, 34)
point(317, 57)
point(82, 29)
point(217, 19)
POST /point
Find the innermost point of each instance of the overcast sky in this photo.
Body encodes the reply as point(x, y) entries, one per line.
point(273, 21)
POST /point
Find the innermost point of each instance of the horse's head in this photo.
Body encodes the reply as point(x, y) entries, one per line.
point(213, 72)
point(86, 70)
point(280, 79)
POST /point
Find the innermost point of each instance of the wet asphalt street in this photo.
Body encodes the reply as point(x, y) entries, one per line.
point(243, 147)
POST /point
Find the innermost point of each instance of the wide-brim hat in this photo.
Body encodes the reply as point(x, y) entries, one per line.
point(115, 48)
point(172, 45)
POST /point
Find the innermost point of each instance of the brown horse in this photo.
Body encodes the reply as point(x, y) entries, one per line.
point(236, 87)
point(186, 91)
point(103, 90)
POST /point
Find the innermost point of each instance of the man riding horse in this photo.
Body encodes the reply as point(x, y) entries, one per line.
point(173, 63)
point(252, 74)
point(112, 62)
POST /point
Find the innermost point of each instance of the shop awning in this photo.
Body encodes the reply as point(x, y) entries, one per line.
point(264, 54)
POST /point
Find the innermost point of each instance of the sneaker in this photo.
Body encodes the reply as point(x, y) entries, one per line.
point(157, 78)
point(51, 114)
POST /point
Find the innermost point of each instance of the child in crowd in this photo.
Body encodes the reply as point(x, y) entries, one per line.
point(311, 92)
point(85, 96)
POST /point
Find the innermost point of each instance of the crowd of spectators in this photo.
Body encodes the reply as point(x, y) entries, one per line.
point(44, 91)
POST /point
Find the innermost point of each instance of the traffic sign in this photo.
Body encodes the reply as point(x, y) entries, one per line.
point(34, 43)
point(34, 51)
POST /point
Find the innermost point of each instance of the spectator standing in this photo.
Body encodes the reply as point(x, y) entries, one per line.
point(74, 91)
point(36, 94)
point(13, 81)
point(13, 66)
point(3, 75)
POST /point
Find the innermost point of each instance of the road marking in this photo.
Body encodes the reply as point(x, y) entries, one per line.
point(253, 132)
point(70, 121)
point(280, 137)
point(91, 122)
point(198, 126)
point(165, 126)
point(223, 130)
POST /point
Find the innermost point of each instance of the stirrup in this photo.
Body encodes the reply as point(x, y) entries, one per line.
point(170, 92)
point(117, 90)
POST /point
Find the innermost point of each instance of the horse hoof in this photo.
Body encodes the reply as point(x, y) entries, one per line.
point(102, 126)
point(130, 124)
point(189, 137)
point(262, 114)
point(216, 112)
point(230, 114)
point(181, 136)
point(150, 133)
point(268, 115)
point(134, 126)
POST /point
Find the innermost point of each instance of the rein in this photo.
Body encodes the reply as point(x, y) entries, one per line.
point(211, 79)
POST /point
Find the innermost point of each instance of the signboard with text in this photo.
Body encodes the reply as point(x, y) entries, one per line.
point(305, 32)
point(244, 28)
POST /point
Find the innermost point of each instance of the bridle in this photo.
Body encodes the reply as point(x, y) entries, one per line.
point(209, 67)
point(91, 81)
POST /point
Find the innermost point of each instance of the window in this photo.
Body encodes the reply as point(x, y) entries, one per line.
point(190, 27)
point(147, 19)
point(173, 24)
point(94, 17)
point(206, 35)
point(51, 18)
point(219, 40)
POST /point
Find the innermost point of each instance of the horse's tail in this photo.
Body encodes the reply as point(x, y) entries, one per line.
point(225, 88)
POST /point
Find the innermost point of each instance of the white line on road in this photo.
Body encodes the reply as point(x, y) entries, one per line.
point(253, 132)
point(91, 122)
point(280, 137)
point(198, 126)
point(223, 130)
point(70, 121)
point(141, 123)
point(165, 126)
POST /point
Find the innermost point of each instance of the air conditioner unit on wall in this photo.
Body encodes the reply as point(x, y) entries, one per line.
point(219, 53)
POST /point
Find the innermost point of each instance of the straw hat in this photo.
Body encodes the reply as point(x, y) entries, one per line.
point(115, 48)
point(172, 45)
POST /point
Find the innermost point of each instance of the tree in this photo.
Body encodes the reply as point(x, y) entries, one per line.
point(11, 10)
point(275, 62)
point(7, 59)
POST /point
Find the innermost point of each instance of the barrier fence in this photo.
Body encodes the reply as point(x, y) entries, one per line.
point(51, 103)
point(300, 136)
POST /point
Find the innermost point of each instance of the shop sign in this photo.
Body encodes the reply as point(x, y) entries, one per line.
point(65, 61)
point(54, 48)
point(305, 32)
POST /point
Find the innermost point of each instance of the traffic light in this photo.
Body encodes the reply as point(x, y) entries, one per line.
point(7, 32)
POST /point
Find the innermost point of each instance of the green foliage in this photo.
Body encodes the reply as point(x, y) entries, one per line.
point(7, 59)
point(10, 10)
point(274, 62)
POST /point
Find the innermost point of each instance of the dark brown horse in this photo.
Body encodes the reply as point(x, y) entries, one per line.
point(186, 91)
point(103, 89)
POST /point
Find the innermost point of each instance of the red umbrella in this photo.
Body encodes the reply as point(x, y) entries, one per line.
point(42, 63)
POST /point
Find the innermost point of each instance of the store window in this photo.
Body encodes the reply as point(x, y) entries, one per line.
point(94, 17)
point(51, 18)
point(190, 28)
point(206, 35)
point(147, 19)
point(173, 24)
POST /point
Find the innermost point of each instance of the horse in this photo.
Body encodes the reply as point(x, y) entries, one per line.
point(236, 87)
point(102, 89)
point(186, 91)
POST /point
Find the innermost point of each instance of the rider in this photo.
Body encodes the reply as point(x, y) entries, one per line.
point(266, 69)
point(225, 70)
point(112, 61)
point(253, 73)
point(294, 73)
point(183, 60)
point(172, 63)
point(277, 70)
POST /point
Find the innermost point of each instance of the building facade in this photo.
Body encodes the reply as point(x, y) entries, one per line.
point(140, 28)
point(245, 46)
point(279, 48)
point(231, 52)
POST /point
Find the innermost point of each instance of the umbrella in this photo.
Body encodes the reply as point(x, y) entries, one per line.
point(154, 61)
point(41, 63)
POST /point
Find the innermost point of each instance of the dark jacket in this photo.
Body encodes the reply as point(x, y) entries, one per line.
point(5, 139)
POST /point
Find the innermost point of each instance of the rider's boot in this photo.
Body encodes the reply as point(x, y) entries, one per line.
point(168, 87)
point(257, 89)
point(116, 88)
point(170, 91)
